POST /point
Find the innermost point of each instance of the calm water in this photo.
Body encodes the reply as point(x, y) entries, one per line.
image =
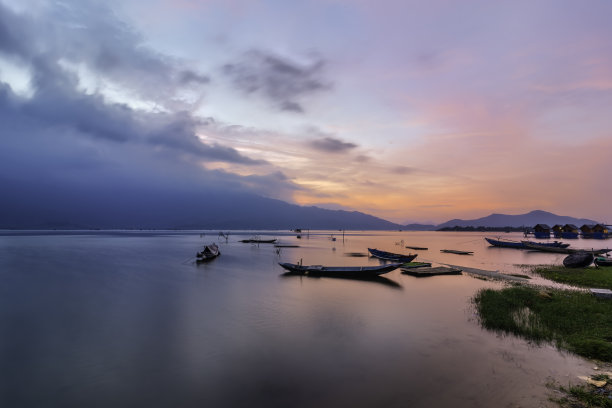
point(127, 319)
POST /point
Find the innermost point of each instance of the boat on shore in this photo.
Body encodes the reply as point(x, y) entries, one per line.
point(416, 248)
point(507, 243)
point(580, 259)
point(603, 261)
point(567, 250)
point(351, 271)
point(209, 252)
point(455, 251)
point(390, 256)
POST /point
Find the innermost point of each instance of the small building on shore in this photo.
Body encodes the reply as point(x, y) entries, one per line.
point(541, 231)
point(570, 231)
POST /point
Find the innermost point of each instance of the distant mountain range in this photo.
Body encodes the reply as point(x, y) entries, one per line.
point(522, 220)
point(54, 207)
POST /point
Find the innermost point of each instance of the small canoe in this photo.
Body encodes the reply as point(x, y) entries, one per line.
point(603, 261)
point(258, 241)
point(209, 252)
point(390, 256)
point(352, 271)
point(580, 259)
point(454, 251)
point(416, 248)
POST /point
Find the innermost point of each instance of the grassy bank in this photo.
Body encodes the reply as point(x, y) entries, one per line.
point(572, 320)
point(590, 277)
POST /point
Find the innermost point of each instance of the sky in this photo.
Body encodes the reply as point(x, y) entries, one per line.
point(412, 111)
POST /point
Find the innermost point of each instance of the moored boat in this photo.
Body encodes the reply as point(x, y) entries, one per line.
point(417, 248)
point(352, 271)
point(390, 256)
point(209, 252)
point(455, 251)
point(580, 259)
point(603, 261)
point(506, 243)
point(258, 241)
point(567, 250)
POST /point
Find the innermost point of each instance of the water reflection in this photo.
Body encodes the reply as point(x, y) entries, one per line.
point(375, 279)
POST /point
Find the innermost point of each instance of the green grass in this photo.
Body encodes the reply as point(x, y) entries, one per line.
point(572, 320)
point(590, 277)
point(583, 396)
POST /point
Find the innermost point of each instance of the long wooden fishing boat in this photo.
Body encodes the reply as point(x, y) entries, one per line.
point(352, 271)
point(417, 248)
point(390, 256)
point(455, 251)
point(544, 248)
point(258, 241)
point(506, 243)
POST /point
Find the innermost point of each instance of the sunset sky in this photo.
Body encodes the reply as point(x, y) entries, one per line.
point(413, 111)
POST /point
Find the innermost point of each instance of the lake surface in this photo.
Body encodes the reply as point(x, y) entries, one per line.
point(127, 319)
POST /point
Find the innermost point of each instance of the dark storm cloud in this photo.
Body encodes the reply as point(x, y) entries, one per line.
point(332, 145)
point(83, 145)
point(280, 80)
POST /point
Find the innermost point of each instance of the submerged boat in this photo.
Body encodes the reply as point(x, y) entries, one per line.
point(390, 256)
point(603, 261)
point(455, 251)
point(352, 271)
point(580, 259)
point(506, 243)
point(209, 252)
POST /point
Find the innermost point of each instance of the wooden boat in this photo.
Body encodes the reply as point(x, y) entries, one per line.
point(454, 251)
point(258, 241)
point(506, 243)
point(209, 252)
point(352, 271)
point(544, 248)
point(580, 259)
point(416, 248)
point(603, 261)
point(390, 256)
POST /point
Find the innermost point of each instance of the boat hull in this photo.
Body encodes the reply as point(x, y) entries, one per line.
point(603, 261)
point(390, 256)
point(579, 259)
point(351, 271)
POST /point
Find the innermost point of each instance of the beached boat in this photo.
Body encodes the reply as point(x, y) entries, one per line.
point(567, 250)
point(506, 243)
point(455, 251)
point(580, 259)
point(425, 272)
point(352, 271)
point(258, 241)
point(390, 256)
point(209, 252)
point(603, 261)
point(416, 248)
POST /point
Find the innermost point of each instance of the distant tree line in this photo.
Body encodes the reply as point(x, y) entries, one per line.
point(484, 229)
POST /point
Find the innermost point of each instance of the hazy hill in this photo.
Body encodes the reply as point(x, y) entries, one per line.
point(50, 207)
point(528, 220)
